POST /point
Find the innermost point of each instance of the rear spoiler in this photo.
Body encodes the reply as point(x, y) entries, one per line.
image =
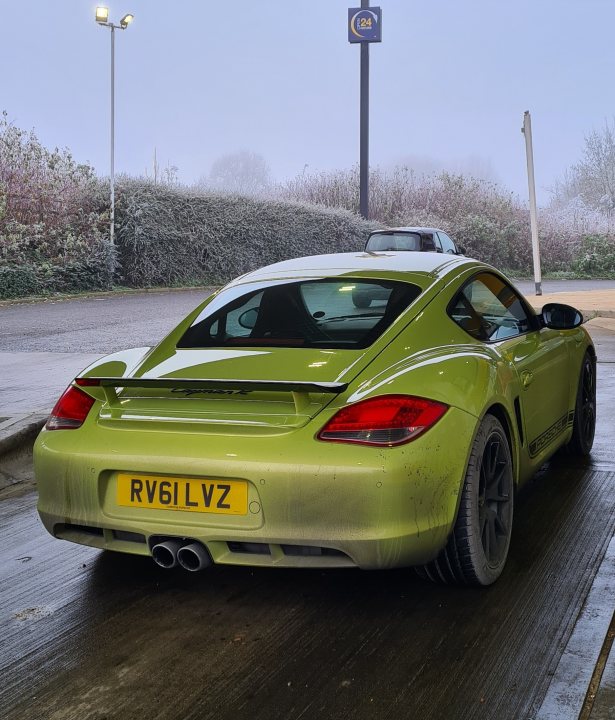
point(298, 388)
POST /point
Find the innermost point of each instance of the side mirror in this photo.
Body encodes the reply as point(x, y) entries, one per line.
point(461, 250)
point(560, 317)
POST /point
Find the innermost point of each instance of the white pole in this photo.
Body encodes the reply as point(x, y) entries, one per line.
point(112, 222)
point(529, 152)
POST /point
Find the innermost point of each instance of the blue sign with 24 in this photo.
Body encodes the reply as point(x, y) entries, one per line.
point(364, 25)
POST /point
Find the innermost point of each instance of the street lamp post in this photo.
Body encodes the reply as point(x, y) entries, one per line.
point(102, 18)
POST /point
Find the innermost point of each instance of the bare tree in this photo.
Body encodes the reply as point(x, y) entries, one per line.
point(592, 180)
point(243, 172)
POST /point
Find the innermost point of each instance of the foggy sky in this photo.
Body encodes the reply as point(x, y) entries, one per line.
point(196, 79)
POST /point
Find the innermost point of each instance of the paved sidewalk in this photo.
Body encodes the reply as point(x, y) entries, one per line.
point(31, 384)
point(589, 302)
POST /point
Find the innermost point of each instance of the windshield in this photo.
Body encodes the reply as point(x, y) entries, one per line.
point(383, 241)
point(327, 313)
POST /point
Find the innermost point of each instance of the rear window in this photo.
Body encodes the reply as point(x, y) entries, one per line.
point(328, 313)
point(386, 241)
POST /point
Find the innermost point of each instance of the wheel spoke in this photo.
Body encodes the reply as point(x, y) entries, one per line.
point(588, 383)
point(486, 537)
point(492, 543)
point(500, 526)
point(493, 493)
point(482, 520)
point(498, 497)
point(588, 421)
point(493, 460)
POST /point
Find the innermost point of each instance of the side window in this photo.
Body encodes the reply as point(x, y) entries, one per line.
point(430, 242)
point(447, 244)
point(489, 309)
point(239, 321)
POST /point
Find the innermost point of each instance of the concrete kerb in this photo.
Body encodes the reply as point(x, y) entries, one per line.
point(17, 435)
point(62, 297)
point(16, 432)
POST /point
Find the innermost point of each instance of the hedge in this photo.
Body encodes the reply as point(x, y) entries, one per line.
point(168, 236)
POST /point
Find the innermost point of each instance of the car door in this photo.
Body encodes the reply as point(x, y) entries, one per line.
point(497, 315)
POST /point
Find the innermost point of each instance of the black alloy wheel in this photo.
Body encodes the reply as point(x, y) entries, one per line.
point(494, 499)
point(584, 425)
point(477, 548)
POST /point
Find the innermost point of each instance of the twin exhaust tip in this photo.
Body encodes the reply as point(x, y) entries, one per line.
point(192, 556)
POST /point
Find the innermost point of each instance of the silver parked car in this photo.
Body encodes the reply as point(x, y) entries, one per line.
point(413, 239)
point(417, 239)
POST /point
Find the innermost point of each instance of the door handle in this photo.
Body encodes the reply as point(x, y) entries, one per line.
point(526, 378)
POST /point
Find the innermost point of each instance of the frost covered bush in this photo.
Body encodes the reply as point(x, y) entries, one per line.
point(170, 236)
point(596, 256)
point(491, 224)
point(52, 219)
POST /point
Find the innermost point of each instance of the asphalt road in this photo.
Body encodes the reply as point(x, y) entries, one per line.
point(86, 635)
point(115, 322)
point(98, 324)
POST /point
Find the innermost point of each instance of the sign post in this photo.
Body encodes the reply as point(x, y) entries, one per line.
point(364, 26)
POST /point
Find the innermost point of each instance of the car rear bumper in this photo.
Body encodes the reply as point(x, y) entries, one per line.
point(310, 503)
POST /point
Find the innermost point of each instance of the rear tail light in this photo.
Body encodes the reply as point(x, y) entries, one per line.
point(386, 420)
point(71, 410)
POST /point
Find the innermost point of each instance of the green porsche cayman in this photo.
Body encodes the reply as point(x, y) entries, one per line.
point(280, 425)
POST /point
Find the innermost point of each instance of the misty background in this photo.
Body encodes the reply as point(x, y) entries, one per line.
point(197, 80)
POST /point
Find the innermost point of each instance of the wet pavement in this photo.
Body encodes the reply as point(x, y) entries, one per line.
point(90, 635)
point(93, 635)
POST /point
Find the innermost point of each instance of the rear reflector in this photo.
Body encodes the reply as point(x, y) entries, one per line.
point(386, 420)
point(71, 410)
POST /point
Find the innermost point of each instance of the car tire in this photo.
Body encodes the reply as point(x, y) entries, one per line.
point(361, 300)
point(584, 424)
point(477, 548)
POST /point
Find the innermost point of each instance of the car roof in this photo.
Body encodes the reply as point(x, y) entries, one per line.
point(408, 229)
point(376, 264)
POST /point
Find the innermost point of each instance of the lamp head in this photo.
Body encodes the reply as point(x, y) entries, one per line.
point(126, 20)
point(102, 15)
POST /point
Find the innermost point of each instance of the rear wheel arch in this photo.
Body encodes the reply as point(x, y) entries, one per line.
point(473, 555)
point(512, 436)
